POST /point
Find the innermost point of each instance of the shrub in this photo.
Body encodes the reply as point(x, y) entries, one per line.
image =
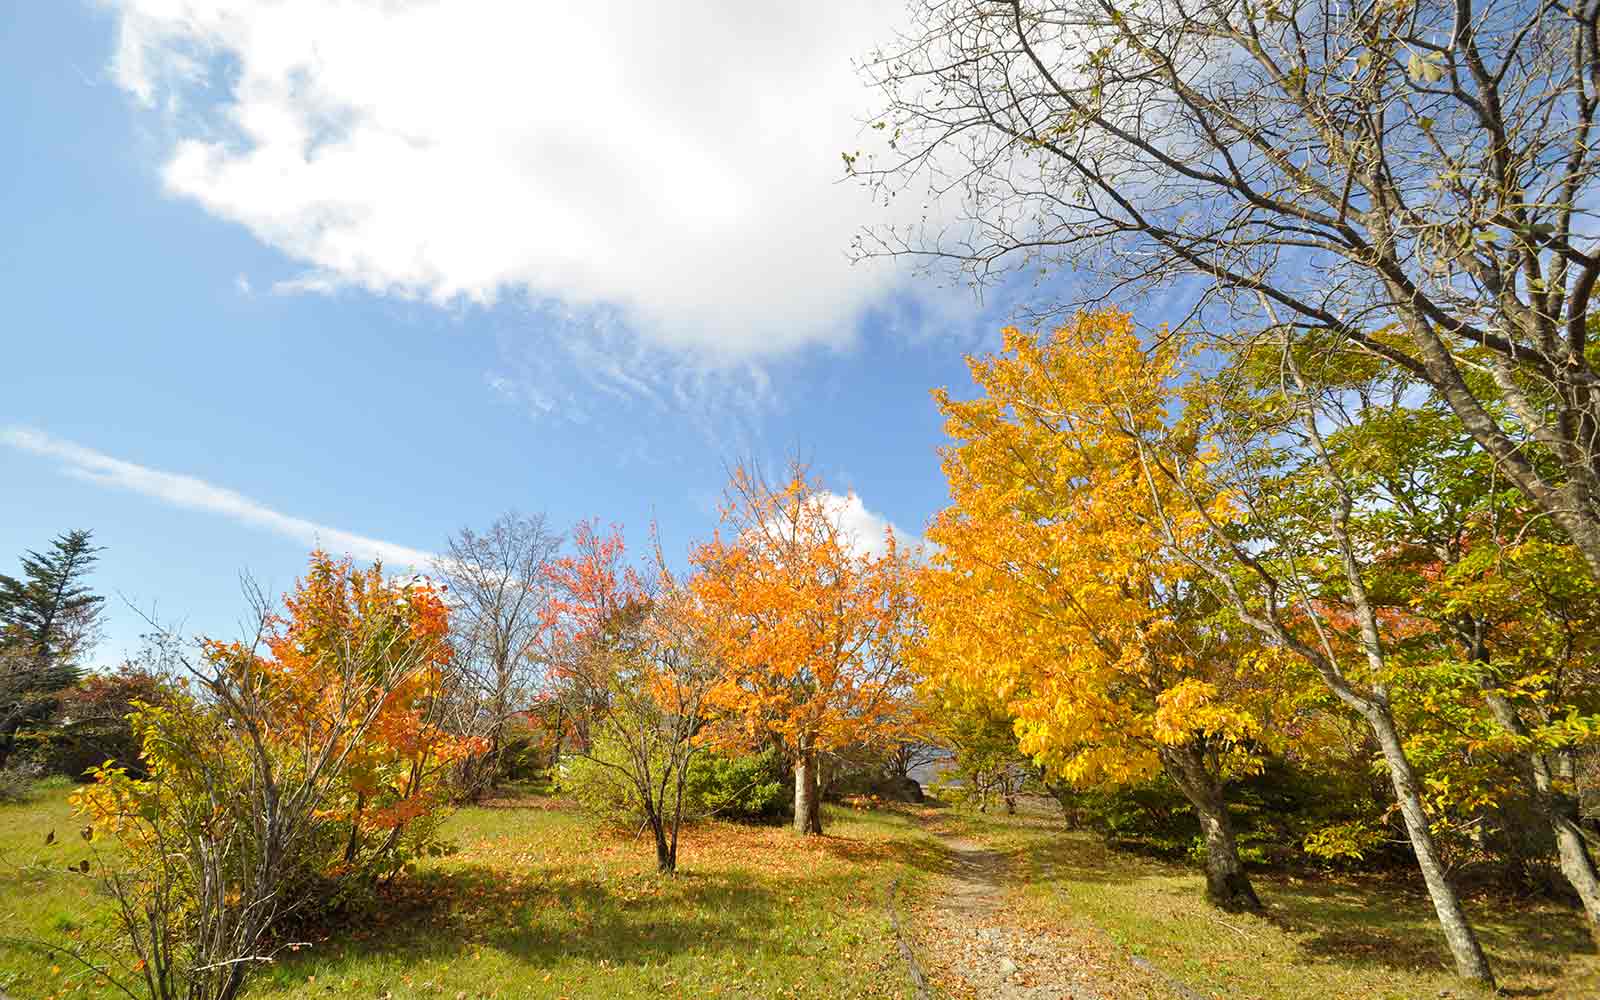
point(302, 772)
point(743, 787)
point(90, 725)
point(599, 786)
point(17, 785)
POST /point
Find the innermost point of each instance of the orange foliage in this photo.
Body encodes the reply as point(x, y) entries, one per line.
point(809, 627)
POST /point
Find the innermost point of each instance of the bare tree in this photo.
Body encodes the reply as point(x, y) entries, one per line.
point(1415, 178)
point(907, 755)
point(500, 590)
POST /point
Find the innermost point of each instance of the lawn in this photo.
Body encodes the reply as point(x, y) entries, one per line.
point(538, 902)
point(1324, 936)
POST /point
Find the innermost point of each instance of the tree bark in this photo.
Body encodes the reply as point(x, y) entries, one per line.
point(1227, 885)
point(807, 808)
point(666, 850)
point(1458, 932)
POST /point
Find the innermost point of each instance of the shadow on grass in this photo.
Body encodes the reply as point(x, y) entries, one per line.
point(565, 913)
point(1379, 922)
point(1375, 922)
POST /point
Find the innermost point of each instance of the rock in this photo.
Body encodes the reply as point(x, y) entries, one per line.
point(904, 790)
point(1007, 966)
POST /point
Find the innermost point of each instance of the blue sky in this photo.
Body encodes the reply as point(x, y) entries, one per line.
point(340, 302)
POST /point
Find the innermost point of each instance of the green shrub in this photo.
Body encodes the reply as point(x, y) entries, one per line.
point(743, 787)
point(600, 789)
point(522, 754)
point(1277, 816)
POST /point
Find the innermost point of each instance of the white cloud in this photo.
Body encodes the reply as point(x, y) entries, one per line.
point(865, 528)
point(197, 494)
point(241, 284)
point(677, 162)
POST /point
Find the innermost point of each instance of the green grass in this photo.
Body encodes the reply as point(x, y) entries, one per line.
point(540, 903)
point(1329, 937)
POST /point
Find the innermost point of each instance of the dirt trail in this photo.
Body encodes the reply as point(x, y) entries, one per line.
point(974, 949)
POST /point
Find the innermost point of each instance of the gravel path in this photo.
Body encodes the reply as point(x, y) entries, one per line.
point(975, 951)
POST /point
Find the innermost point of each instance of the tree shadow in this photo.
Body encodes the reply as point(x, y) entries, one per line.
point(1376, 922)
point(555, 913)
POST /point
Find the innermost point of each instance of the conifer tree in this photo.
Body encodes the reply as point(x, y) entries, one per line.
point(47, 622)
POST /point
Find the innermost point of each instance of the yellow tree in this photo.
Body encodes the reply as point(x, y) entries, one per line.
point(1051, 590)
point(809, 622)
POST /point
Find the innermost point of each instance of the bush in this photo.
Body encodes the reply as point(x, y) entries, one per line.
point(1284, 815)
point(522, 752)
point(600, 789)
point(311, 768)
point(742, 787)
point(90, 727)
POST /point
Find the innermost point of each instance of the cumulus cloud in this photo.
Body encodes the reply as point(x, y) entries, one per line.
point(677, 162)
point(866, 529)
point(191, 493)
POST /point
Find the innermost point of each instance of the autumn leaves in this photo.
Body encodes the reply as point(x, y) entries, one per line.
point(810, 628)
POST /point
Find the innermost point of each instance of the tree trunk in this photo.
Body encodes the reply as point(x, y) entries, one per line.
point(1458, 933)
point(666, 851)
point(1576, 863)
point(807, 810)
point(1227, 885)
point(555, 746)
point(355, 830)
point(1578, 866)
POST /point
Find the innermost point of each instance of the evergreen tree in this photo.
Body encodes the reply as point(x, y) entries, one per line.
point(47, 621)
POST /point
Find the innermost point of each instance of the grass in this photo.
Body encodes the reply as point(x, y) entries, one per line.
point(1330, 937)
point(540, 903)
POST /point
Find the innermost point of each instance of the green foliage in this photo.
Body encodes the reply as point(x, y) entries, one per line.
point(49, 613)
point(1285, 815)
point(596, 781)
point(742, 786)
point(1351, 840)
point(90, 726)
point(48, 620)
point(522, 756)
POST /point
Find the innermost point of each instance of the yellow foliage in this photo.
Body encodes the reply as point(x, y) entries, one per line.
point(1053, 586)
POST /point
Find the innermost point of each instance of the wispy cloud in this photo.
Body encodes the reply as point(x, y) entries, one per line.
point(191, 493)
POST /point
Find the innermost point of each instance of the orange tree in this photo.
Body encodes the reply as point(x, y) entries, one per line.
point(625, 655)
point(809, 627)
point(286, 771)
point(1050, 592)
